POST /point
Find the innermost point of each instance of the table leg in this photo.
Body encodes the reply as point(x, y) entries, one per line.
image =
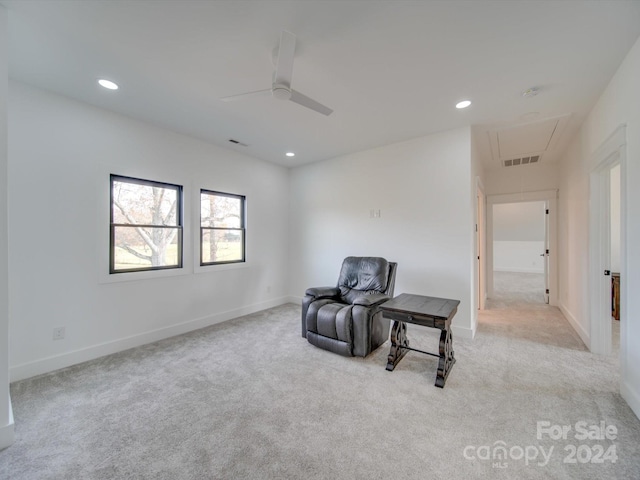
point(446, 358)
point(398, 340)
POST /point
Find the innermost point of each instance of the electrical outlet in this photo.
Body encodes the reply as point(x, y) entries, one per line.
point(58, 333)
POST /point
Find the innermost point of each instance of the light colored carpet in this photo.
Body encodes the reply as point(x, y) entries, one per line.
point(251, 399)
point(512, 289)
point(524, 293)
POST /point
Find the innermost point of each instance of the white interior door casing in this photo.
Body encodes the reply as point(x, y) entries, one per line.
point(611, 153)
point(545, 253)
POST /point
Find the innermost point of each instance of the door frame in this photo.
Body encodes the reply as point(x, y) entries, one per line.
point(545, 254)
point(550, 196)
point(481, 249)
point(611, 153)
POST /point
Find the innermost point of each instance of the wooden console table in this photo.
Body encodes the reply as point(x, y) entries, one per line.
point(428, 312)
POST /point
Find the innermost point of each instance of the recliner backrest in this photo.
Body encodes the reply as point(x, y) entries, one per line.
point(362, 275)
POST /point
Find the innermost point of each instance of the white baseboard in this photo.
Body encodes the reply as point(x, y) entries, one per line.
point(55, 362)
point(7, 432)
point(631, 396)
point(463, 332)
point(586, 338)
point(294, 299)
point(517, 270)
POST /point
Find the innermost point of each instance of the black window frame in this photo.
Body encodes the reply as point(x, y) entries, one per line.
point(179, 223)
point(242, 229)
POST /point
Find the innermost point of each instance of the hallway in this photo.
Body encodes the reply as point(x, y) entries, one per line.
point(544, 373)
point(518, 311)
point(518, 295)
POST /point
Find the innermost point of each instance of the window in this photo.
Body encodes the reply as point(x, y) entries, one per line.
point(146, 225)
point(222, 228)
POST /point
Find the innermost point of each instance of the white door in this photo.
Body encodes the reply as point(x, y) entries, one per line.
point(480, 239)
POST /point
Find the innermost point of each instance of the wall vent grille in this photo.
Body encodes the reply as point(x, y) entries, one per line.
point(514, 162)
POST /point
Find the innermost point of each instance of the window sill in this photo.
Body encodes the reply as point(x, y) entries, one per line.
point(217, 268)
point(146, 275)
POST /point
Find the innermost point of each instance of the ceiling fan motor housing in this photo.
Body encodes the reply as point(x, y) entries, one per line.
point(281, 92)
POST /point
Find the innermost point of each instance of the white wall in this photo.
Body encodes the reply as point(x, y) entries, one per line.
point(617, 105)
point(6, 417)
point(514, 256)
point(518, 222)
point(422, 188)
point(523, 178)
point(615, 218)
point(60, 155)
point(518, 237)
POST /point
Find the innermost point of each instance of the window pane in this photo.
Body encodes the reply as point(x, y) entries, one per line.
point(220, 211)
point(132, 248)
point(222, 225)
point(144, 204)
point(222, 246)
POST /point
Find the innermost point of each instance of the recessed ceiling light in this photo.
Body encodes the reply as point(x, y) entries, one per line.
point(463, 104)
point(107, 84)
point(290, 154)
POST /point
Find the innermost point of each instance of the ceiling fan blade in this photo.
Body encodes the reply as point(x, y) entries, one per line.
point(284, 65)
point(240, 96)
point(305, 101)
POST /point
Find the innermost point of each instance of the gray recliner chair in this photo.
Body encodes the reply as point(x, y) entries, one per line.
point(346, 319)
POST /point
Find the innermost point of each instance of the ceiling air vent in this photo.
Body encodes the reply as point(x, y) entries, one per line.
point(236, 142)
point(513, 162)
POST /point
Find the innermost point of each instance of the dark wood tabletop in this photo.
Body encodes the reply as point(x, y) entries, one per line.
point(419, 305)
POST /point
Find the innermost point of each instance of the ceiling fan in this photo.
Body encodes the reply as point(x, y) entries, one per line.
point(281, 87)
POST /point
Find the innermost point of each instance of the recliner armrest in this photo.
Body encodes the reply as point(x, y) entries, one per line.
point(371, 300)
point(323, 292)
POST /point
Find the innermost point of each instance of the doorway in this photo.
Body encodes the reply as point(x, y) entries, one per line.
point(606, 245)
point(614, 204)
point(520, 246)
point(542, 256)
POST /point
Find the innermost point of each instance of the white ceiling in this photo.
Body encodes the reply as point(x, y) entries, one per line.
point(390, 70)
